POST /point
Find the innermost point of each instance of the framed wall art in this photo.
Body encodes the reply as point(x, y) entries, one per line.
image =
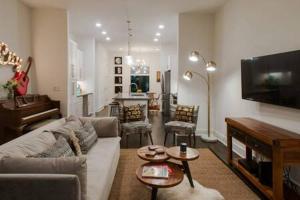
point(118, 60)
point(118, 89)
point(118, 79)
point(118, 70)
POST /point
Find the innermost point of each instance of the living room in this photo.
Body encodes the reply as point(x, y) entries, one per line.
point(85, 65)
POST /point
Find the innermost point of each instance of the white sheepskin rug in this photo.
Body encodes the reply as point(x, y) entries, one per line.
point(184, 191)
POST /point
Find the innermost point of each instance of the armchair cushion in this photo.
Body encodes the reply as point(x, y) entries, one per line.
point(179, 126)
point(184, 113)
point(136, 127)
point(64, 165)
point(133, 113)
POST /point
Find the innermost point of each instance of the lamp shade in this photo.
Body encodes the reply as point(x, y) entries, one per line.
point(211, 66)
point(194, 56)
point(188, 75)
point(129, 60)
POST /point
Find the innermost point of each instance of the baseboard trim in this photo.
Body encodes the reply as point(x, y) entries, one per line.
point(236, 147)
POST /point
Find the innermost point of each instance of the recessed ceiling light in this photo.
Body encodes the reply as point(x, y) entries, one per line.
point(104, 32)
point(107, 38)
point(155, 40)
point(157, 34)
point(98, 25)
point(121, 49)
point(161, 26)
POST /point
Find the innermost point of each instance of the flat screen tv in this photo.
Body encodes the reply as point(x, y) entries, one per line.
point(273, 79)
point(139, 83)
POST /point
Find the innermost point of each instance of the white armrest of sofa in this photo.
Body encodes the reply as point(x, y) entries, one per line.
point(39, 186)
point(105, 126)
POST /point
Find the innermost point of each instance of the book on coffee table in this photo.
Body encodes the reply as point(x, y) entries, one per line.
point(155, 171)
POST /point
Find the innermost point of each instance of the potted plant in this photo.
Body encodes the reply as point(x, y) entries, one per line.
point(10, 86)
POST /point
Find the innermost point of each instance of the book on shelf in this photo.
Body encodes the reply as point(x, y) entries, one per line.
point(155, 171)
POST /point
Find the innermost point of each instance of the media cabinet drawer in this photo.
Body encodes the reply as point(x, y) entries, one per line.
point(259, 146)
point(238, 135)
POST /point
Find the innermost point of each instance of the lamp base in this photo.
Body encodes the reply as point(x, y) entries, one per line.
point(206, 138)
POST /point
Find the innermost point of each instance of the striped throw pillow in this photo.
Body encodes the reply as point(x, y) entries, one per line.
point(61, 148)
point(87, 137)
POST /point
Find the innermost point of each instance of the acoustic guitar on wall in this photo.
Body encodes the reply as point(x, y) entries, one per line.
point(22, 79)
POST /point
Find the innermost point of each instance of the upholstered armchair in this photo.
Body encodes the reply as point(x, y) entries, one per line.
point(133, 121)
point(182, 125)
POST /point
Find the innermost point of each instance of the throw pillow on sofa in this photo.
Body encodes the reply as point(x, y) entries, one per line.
point(61, 148)
point(87, 137)
point(73, 122)
point(70, 136)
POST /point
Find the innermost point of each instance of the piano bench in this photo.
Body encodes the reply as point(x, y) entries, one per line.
point(37, 125)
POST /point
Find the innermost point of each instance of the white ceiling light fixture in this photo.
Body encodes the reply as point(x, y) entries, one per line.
point(108, 38)
point(155, 39)
point(157, 34)
point(98, 25)
point(129, 59)
point(161, 26)
point(104, 32)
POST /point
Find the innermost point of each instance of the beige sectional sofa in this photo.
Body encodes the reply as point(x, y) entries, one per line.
point(87, 177)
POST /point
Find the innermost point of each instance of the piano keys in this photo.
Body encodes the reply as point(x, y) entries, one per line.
point(18, 114)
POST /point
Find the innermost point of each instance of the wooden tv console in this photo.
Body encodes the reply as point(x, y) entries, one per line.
point(281, 146)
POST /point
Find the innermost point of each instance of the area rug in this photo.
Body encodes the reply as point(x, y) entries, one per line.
point(208, 170)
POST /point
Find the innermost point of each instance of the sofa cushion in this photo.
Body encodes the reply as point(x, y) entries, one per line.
point(64, 165)
point(102, 161)
point(86, 139)
point(61, 148)
point(31, 146)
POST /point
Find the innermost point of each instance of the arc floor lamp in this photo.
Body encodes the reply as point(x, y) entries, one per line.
point(211, 66)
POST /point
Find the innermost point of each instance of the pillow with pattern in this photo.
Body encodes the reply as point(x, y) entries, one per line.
point(61, 148)
point(68, 133)
point(87, 137)
point(133, 113)
point(184, 113)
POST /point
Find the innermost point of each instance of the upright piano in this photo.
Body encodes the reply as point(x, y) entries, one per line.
point(24, 111)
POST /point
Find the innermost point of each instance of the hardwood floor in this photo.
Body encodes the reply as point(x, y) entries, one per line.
point(158, 135)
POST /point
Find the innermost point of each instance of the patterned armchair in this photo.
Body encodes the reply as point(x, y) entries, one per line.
point(133, 121)
point(183, 122)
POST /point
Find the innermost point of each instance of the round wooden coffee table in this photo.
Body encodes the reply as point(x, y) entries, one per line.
point(191, 154)
point(157, 158)
point(175, 177)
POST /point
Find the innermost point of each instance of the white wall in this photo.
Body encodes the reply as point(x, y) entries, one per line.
point(195, 33)
point(15, 31)
point(245, 29)
point(50, 50)
point(169, 61)
point(152, 59)
point(101, 75)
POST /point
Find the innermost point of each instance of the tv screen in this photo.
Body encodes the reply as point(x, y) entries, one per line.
point(273, 79)
point(139, 84)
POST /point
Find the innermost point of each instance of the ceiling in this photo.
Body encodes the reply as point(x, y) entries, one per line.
point(145, 16)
